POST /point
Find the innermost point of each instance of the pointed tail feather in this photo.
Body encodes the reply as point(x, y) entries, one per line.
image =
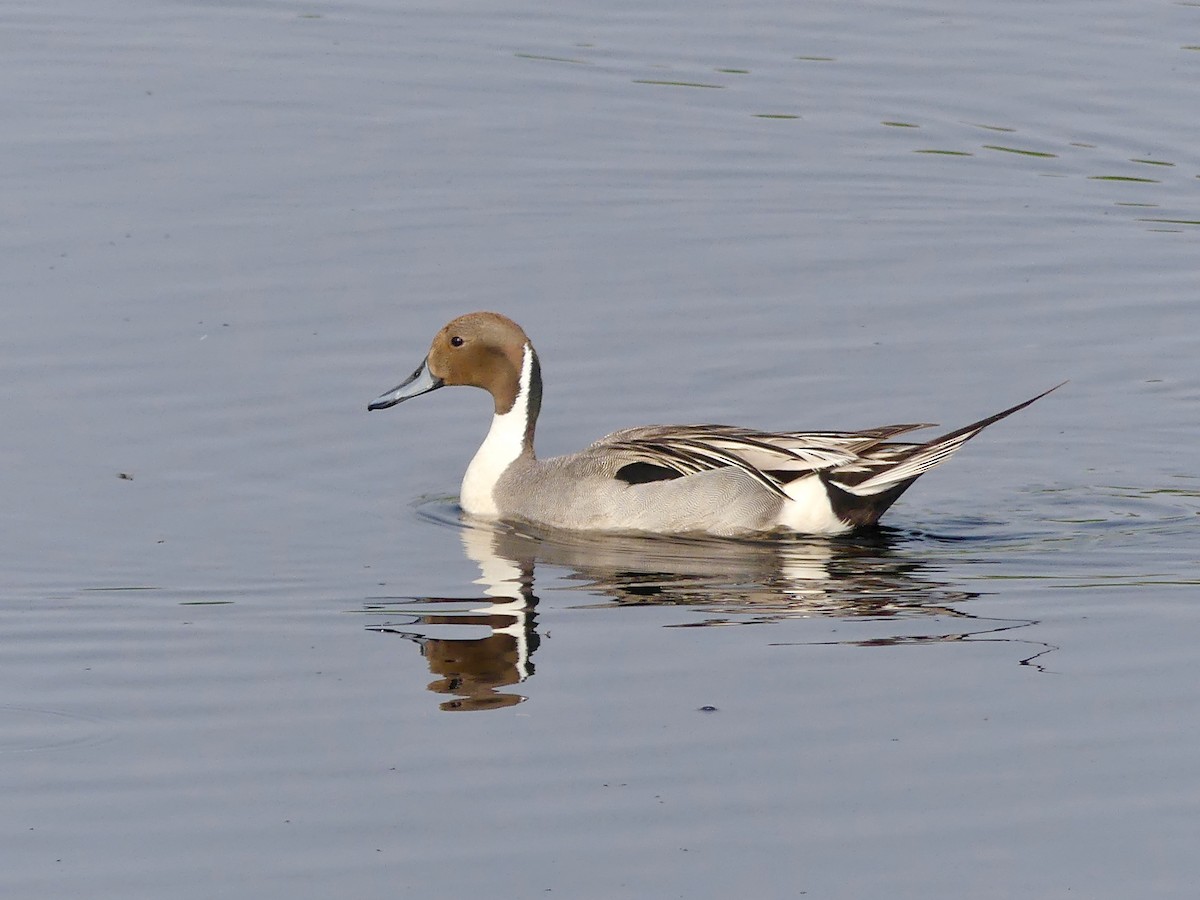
point(923, 457)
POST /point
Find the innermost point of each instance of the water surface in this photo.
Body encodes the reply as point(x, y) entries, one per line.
point(250, 648)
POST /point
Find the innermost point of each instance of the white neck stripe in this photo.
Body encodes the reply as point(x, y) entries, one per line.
point(505, 441)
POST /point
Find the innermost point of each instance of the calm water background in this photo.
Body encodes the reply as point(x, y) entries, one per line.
point(247, 649)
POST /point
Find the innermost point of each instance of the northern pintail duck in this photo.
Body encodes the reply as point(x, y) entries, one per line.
point(665, 479)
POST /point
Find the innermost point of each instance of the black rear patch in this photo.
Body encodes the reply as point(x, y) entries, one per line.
point(644, 472)
point(861, 511)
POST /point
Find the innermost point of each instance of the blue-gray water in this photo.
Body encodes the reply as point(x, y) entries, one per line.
point(247, 648)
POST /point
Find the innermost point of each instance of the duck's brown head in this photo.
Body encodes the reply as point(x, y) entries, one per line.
point(481, 349)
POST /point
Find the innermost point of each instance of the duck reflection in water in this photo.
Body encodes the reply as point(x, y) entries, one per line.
point(478, 647)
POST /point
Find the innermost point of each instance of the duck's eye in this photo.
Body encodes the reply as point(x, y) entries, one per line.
point(456, 341)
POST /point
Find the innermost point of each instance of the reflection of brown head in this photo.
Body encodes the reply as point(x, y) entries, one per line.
point(472, 669)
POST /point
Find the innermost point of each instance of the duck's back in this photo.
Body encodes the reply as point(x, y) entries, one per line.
point(582, 492)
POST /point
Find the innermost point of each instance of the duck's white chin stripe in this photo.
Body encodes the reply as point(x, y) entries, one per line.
point(504, 443)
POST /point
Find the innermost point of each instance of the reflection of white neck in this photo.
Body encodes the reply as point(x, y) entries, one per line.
point(501, 578)
point(505, 441)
